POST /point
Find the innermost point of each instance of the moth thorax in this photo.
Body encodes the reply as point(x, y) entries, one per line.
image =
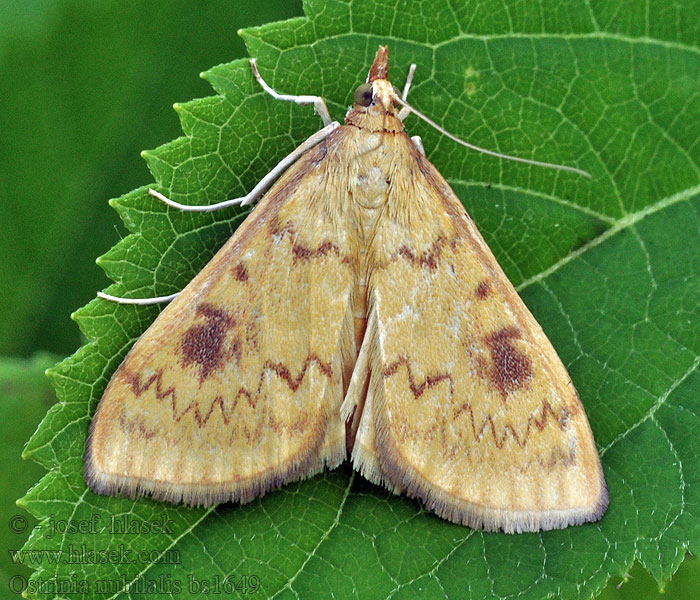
point(371, 187)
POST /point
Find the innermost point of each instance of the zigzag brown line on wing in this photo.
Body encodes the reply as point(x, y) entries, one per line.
point(227, 409)
point(269, 320)
point(456, 354)
point(538, 420)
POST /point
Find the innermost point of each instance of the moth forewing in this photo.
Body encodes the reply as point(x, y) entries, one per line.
point(472, 409)
point(236, 387)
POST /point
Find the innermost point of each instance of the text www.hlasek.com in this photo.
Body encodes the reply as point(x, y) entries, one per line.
point(82, 555)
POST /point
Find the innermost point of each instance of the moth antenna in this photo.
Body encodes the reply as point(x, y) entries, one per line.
point(318, 102)
point(264, 183)
point(404, 112)
point(454, 138)
point(409, 81)
point(139, 301)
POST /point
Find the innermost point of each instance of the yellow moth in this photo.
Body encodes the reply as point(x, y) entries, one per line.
point(356, 312)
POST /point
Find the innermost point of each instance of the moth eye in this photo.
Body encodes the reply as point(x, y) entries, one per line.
point(363, 94)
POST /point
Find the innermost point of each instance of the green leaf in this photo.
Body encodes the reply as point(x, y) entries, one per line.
point(609, 267)
point(639, 584)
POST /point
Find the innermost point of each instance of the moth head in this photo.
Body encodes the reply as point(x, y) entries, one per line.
point(377, 102)
point(377, 94)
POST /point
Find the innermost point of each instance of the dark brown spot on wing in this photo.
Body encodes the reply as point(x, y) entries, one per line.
point(407, 253)
point(240, 272)
point(511, 368)
point(483, 290)
point(202, 344)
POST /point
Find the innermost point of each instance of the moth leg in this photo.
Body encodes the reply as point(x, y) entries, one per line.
point(419, 144)
point(139, 301)
point(404, 112)
point(264, 183)
point(318, 102)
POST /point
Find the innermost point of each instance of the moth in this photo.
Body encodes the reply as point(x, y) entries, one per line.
point(357, 312)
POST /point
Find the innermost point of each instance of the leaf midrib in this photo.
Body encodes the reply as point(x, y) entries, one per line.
point(593, 35)
point(616, 226)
